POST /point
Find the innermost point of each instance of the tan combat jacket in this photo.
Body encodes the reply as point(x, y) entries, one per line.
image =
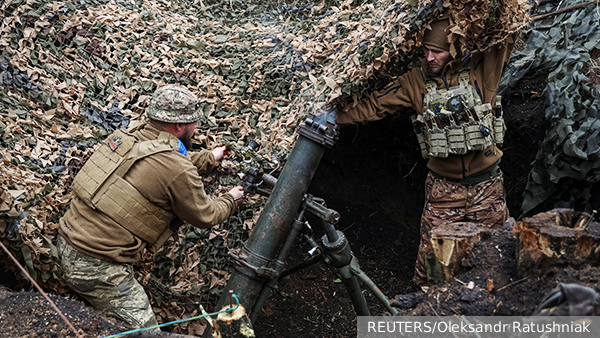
point(170, 181)
point(409, 89)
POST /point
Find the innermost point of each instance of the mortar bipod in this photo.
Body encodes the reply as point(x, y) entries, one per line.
point(335, 251)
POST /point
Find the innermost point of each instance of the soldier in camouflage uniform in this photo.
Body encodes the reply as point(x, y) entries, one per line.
point(131, 195)
point(459, 126)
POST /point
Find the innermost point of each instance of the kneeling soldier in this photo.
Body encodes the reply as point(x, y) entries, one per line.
point(130, 195)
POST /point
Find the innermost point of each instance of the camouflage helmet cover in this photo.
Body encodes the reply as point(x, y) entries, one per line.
point(174, 104)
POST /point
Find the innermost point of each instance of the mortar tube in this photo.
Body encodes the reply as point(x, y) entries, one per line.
point(289, 241)
point(274, 222)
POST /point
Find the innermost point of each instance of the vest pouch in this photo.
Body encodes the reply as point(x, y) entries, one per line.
point(488, 121)
point(474, 137)
point(456, 119)
point(423, 145)
point(420, 127)
point(456, 140)
point(439, 142)
point(499, 130)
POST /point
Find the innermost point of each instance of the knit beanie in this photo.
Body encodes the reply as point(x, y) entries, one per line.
point(437, 35)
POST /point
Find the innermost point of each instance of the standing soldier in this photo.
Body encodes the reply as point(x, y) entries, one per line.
point(132, 194)
point(459, 126)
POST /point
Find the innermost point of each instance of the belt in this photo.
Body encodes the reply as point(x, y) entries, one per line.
point(489, 173)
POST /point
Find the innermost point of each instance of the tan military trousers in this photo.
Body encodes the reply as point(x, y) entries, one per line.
point(446, 202)
point(110, 287)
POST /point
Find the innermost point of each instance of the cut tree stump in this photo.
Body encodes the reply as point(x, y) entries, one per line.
point(234, 324)
point(450, 244)
point(553, 238)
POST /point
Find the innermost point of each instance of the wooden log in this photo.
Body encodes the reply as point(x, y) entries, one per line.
point(234, 324)
point(450, 244)
point(562, 10)
point(555, 238)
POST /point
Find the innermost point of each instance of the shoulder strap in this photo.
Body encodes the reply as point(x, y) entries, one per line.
point(431, 88)
point(165, 142)
point(463, 81)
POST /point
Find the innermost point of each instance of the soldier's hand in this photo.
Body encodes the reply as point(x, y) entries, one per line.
point(220, 153)
point(238, 194)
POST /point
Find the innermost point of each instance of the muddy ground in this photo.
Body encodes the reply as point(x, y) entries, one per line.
point(374, 177)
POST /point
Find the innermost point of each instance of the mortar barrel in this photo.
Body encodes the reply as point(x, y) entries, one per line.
point(275, 220)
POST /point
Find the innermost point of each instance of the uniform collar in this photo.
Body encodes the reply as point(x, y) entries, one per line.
point(150, 131)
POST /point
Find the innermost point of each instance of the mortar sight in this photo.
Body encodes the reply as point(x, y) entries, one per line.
point(252, 145)
point(254, 178)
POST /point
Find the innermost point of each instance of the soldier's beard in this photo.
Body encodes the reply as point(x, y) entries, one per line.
point(186, 139)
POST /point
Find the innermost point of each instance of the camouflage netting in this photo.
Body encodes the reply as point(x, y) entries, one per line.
point(567, 167)
point(74, 71)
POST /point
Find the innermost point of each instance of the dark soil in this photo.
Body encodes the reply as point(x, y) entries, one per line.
point(496, 289)
point(374, 177)
point(29, 314)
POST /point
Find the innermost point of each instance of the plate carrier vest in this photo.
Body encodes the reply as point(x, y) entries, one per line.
point(100, 185)
point(454, 120)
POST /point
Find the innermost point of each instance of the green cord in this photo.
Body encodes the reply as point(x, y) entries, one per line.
point(229, 309)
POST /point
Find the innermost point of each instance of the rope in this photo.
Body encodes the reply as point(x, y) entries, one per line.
point(229, 309)
point(42, 292)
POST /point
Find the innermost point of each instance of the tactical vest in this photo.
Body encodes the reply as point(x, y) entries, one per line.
point(100, 185)
point(454, 120)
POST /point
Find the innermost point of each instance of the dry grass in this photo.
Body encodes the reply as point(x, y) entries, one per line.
point(592, 68)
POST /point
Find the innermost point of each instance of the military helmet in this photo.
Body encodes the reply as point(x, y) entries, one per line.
point(174, 104)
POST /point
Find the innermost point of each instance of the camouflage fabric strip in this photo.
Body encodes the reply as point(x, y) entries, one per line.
point(110, 287)
point(447, 202)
